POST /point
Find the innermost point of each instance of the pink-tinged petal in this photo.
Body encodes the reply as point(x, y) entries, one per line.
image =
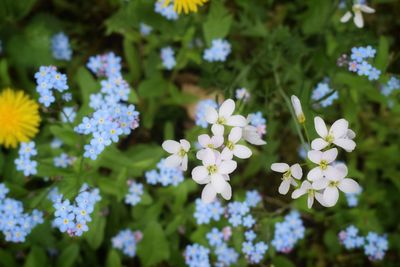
point(217, 140)
point(296, 171)
point(320, 198)
point(339, 128)
point(346, 17)
point(209, 157)
point(319, 144)
point(310, 201)
point(315, 174)
point(320, 184)
point(227, 192)
point(185, 144)
point(173, 161)
point(348, 185)
point(235, 135)
point(298, 193)
point(347, 144)
point(358, 19)
point(171, 146)
point(226, 154)
point(227, 167)
point(331, 196)
point(211, 115)
point(330, 155)
point(284, 187)
point(227, 108)
point(242, 152)
point(204, 140)
point(236, 120)
point(315, 156)
point(208, 195)
point(217, 129)
point(184, 163)
point(218, 182)
point(367, 9)
point(200, 175)
point(320, 127)
point(280, 167)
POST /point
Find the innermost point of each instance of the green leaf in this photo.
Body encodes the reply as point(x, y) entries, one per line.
point(37, 257)
point(65, 134)
point(132, 57)
point(153, 87)
point(87, 84)
point(382, 56)
point(218, 22)
point(113, 259)
point(15, 9)
point(154, 247)
point(280, 261)
point(95, 235)
point(68, 256)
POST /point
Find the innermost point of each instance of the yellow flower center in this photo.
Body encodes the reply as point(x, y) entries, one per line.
point(287, 175)
point(181, 153)
point(323, 164)
point(221, 120)
point(19, 118)
point(230, 145)
point(186, 5)
point(329, 138)
point(212, 169)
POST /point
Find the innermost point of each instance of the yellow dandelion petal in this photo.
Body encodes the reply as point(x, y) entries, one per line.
point(19, 118)
point(186, 5)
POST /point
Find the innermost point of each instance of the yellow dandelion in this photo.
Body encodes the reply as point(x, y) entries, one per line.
point(19, 118)
point(186, 5)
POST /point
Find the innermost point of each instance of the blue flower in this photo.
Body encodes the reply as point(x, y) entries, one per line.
point(288, 232)
point(135, 193)
point(47, 80)
point(60, 46)
point(253, 198)
point(390, 86)
point(166, 11)
point(201, 111)
point(250, 235)
point(145, 29)
point(197, 255)
point(215, 237)
point(68, 114)
point(165, 176)
point(24, 163)
point(204, 213)
point(219, 51)
point(168, 57)
point(126, 241)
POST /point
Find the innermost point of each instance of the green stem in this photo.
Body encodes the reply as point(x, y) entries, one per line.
point(289, 105)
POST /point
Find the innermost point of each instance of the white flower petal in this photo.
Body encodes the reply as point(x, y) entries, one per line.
point(298, 193)
point(185, 144)
point(226, 154)
point(211, 115)
point(208, 195)
point(204, 140)
point(200, 175)
point(351, 134)
point(310, 200)
point(319, 144)
point(242, 152)
point(218, 182)
point(330, 155)
point(339, 128)
point(227, 108)
point(280, 167)
point(171, 146)
point(200, 154)
point(284, 187)
point(347, 144)
point(346, 17)
point(209, 157)
point(358, 19)
point(367, 9)
point(331, 196)
point(227, 192)
point(348, 185)
point(320, 198)
point(296, 170)
point(320, 127)
point(217, 129)
point(320, 184)
point(227, 166)
point(315, 156)
point(250, 135)
point(315, 174)
point(235, 135)
point(184, 163)
point(236, 120)
point(333, 173)
point(217, 140)
point(173, 161)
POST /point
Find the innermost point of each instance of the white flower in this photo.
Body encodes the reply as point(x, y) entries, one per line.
point(297, 109)
point(250, 134)
point(179, 152)
point(215, 174)
point(224, 117)
point(232, 148)
point(322, 158)
point(358, 18)
point(289, 173)
point(306, 188)
point(337, 134)
point(333, 182)
point(206, 142)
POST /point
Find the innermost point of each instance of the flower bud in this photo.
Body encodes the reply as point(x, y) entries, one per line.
point(297, 109)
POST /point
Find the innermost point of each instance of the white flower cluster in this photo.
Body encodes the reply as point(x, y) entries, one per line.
point(216, 152)
point(327, 177)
